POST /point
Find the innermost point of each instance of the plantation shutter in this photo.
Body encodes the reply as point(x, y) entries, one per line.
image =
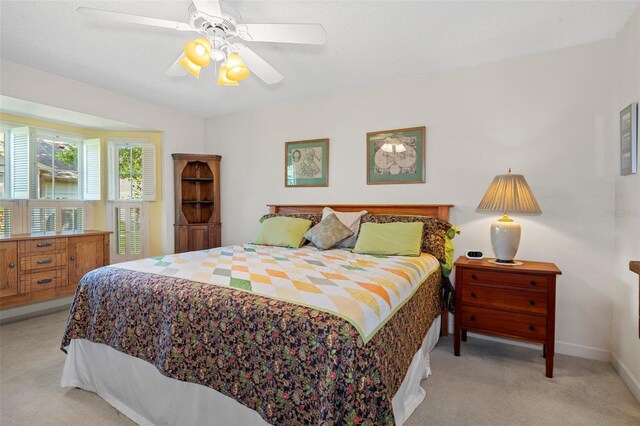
point(91, 166)
point(22, 166)
point(112, 171)
point(148, 172)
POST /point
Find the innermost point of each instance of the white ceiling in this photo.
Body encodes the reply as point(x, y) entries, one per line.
point(368, 41)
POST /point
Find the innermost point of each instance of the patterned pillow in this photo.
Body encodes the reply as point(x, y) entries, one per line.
point(329, 232)
point(315, 218)
point(434, 232)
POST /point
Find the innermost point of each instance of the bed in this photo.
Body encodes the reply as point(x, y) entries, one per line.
point(260, 335)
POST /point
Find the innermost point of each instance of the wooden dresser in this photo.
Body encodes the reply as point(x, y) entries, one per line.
point(35, 268)
point(509, 301)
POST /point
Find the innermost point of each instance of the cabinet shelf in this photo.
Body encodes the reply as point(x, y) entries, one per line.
point(197, 179)
point(197, 201)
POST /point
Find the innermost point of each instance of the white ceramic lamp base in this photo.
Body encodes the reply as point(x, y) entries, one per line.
point(505, 238)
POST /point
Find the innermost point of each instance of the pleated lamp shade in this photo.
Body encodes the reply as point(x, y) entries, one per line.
point(509, 193)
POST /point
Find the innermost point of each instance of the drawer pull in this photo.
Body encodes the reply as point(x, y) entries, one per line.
point(44, 261)
point(40, 245)
point(532, 328)
point(73, 258)
point(533, 283)
point(474, 276)
point(532, 302)
point(475, 296)
point(473, 317)
point(12, 265)
point(45, 281)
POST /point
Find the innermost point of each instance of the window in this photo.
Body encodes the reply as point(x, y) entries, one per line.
point(132, 170)
point(132, 181)
point(57, 171)
point(42, 219)
point(47, 165)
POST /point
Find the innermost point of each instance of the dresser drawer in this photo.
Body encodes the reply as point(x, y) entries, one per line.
point(46, 280)
point(35, 262)
point(506, 299)
point(506, 279)
point(44, 245)
point(532, 327)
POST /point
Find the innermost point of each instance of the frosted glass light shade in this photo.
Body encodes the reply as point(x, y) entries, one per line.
point(222, 77)
point(236, 69)
point(198, 51)
point(191, 67)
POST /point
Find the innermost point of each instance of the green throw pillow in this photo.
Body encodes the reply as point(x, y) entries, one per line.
point(391, 239)
point(282, 231)
point(329, 232)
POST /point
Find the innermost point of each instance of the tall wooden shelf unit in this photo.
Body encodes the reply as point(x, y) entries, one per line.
point(197, 191)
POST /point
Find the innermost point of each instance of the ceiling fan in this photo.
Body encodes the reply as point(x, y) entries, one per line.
point(220, 31)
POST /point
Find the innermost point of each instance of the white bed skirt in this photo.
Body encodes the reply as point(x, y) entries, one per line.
point(138, 390)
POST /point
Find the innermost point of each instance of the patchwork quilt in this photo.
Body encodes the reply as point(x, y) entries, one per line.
point(364, 290)
point(289, 333)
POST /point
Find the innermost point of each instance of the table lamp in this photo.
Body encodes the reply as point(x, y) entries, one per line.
point(507, 193)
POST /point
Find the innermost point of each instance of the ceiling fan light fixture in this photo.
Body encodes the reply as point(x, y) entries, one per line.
point(191, 67)
point(198, 51)
point(236, 69)
point(222, 77)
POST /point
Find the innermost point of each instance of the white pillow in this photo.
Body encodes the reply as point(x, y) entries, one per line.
point(351, 220)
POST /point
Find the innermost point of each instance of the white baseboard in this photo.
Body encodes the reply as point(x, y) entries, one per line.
point(564, 348)
point(628, 378)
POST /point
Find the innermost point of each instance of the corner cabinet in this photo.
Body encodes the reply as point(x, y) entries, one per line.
point(35, 268)
point(197, 203)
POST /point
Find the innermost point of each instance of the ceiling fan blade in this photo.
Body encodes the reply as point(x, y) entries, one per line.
point(209, 7)
point(132, 19)
point(257, 65)
point(283, 33)
point(177, 70)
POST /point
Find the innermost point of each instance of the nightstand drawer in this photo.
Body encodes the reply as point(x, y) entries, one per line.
point(509, 300)
point(507, 279)
point(531, 327)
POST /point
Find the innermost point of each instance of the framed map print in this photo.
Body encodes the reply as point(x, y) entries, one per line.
point(396, 156)
point(629, 140)
point(306, 163)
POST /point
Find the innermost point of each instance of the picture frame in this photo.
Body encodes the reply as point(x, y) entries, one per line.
point(629, 140)
point(396, 156)
point(306, 163)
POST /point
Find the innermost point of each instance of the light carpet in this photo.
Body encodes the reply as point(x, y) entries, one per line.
point(490, 384)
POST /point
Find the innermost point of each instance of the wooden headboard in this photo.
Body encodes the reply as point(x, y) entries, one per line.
point(441, 211)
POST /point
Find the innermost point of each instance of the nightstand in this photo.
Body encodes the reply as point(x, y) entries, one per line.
point(508, 301)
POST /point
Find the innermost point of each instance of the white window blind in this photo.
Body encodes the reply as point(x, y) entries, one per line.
point(22, 166)
point(91, 169)
point(5, 220)
point(43, 219)
point(72, 218)
point(128, 231)
point(149, 172)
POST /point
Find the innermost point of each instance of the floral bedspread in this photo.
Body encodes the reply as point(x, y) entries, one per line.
point(291, 363)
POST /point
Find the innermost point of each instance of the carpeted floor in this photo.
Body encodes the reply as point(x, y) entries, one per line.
point(490, 384)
